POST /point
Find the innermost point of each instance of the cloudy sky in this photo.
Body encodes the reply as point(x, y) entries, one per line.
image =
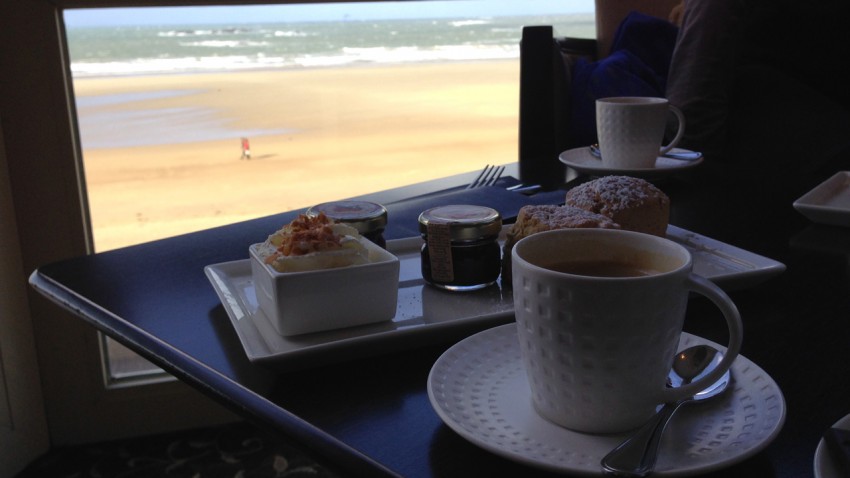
point(319, 12)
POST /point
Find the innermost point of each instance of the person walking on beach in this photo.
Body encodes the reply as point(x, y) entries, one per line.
point(246, 149)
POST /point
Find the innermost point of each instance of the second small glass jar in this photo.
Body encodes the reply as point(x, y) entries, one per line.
point(461, 250)
point(370, 219)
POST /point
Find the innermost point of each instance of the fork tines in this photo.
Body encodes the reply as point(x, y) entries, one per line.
point(487, 177)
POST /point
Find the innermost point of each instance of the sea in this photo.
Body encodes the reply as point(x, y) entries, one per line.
point(140, 50)
point(197, 48)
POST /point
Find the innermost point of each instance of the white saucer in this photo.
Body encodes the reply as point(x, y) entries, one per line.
point(582, 161)
point(479, 389)
point(824, 466)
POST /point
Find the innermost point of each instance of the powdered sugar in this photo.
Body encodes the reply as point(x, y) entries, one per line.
point(611, 194)
point(568, 216)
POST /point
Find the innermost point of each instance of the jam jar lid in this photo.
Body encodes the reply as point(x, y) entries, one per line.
point(364, 216)
point(466, 222)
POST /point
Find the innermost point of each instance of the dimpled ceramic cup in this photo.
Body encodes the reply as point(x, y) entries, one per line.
point(631, 128)
point(598, 348)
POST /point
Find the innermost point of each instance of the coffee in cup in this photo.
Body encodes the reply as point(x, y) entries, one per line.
point(600, 268)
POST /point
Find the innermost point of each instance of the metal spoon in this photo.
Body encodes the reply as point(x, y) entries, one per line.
point(681, 155)
point(636, 456)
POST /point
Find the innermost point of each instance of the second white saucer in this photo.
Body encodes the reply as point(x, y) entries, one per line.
point(584, 162)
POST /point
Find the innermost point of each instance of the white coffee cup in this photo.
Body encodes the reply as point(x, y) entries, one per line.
point(598, 349)
point(630, 130)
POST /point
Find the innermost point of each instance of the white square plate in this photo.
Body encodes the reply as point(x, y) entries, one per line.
point(829, 202)
point(425, 314)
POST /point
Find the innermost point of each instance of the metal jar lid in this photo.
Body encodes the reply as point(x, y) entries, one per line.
point(364, 216)
point(465, 222)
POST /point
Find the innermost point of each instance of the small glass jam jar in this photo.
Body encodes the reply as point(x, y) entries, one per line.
point(461, 250)
point(370, 219)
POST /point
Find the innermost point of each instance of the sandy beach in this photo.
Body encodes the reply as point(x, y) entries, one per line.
point(324, 134)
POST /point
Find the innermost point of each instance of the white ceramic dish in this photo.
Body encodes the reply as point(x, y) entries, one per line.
point(424, 313)
point(479, 388)
point(829, 202)
point(312, 301)
point(582, 161)
point(824, 465)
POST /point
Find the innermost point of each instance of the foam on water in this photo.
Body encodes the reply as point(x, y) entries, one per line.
point(146, 50)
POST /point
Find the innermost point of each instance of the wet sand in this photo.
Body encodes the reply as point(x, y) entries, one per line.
point(323, 134)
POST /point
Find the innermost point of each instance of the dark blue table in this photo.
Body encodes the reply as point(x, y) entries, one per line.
point(369, 415)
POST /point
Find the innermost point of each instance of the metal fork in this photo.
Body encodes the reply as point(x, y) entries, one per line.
point(487, 177)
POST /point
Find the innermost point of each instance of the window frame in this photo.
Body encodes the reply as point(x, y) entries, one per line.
point(49, 201)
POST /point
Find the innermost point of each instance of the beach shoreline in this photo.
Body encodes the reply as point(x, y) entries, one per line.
point(332, 133)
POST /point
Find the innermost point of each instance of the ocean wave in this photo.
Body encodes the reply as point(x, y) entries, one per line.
point(157, 66)
point(429, 54)
point(189, 32)
point(289, 34)
point(469, 23)
point(344, 57)
point(225, 44)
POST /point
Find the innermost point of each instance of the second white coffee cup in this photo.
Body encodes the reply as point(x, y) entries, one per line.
point(631, 128)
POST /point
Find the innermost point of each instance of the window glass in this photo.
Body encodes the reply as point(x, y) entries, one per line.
point(193, 117)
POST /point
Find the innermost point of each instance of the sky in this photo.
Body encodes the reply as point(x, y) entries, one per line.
point(318, 12)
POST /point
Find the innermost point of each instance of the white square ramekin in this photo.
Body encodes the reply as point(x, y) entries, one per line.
point(312, 301)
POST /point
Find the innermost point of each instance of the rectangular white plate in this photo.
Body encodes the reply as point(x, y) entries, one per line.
point(425, 314)
point(829, 202)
